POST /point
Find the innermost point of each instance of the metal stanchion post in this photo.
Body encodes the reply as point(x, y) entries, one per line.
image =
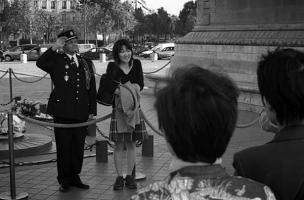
point(10, 83)
point(12, 196)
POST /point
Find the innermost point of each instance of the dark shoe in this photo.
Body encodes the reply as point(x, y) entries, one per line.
point(119, 183)
point(63, 188)
point(81, 185)
point(130, 182)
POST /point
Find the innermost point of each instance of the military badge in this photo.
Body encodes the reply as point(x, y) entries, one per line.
point(66, 78)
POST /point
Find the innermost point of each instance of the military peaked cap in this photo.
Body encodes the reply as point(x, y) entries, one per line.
point(70, 34)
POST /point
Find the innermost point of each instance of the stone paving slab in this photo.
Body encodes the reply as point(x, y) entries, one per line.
point(40, 180)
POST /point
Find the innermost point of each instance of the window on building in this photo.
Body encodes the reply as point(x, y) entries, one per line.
point(64, 5)
point(43, 4)
point(36, 4)
point(53, 4)
point(72, 4)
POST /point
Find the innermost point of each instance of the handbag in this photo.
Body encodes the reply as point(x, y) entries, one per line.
point(105, 96)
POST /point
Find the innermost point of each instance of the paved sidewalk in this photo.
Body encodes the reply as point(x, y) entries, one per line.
point(40, 180)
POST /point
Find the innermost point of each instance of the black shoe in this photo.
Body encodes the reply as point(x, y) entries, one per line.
point(119, 183)
point(63, 188)
point(130, 182)
point(81, 185)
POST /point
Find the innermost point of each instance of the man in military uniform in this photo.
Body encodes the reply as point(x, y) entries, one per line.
point(73, 100)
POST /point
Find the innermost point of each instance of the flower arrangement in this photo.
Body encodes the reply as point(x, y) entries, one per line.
point(18, 124)
point(33, 109)
point(27, 108)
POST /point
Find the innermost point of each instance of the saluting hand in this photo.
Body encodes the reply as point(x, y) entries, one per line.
point(59, 43)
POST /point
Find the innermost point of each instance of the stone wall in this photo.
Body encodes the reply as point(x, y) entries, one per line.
point(238, 61)
point(231, 35)
point(239, 12)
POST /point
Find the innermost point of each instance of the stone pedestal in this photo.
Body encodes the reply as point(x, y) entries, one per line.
point(231, 35)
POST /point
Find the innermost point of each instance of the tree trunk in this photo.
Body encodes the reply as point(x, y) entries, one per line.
point(96, 41)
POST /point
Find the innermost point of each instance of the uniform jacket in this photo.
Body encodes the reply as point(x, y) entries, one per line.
point(70, 99)
point(204, 182)
point(278, 164)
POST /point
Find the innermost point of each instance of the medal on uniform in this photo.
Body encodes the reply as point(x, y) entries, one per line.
point(66, 66)
point(66, 78)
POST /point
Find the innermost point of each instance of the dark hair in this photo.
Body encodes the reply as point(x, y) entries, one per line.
point(280, 76)
point(117, 48)
point(197, 111)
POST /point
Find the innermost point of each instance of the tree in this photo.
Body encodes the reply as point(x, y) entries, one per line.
point(124, 18)
point(111, 17)
point(164, 22)
point(46, 23)
point(17, 18)
point(187, 18)
point(140, 27)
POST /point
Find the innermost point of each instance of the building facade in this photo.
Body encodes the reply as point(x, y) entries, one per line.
point(55, 5)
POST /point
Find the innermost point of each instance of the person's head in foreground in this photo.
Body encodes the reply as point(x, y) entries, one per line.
point(281, 83)
point(197, 111)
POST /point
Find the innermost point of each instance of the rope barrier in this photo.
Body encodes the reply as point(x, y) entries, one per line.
point(250, 123)
point(75, 125)
point(106, 137)
point(3, 70)
point(4, 164)
point(4, 74)
point(150, 125)
point(5, 104)
point(30, 75)
point(19, 79)
point(145, 73)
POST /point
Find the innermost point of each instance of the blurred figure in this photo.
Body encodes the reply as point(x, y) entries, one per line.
point(197, 112)
point(73, 100)
point(279, 163)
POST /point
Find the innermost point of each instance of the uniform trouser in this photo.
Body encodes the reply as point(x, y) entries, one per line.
point(70, 149)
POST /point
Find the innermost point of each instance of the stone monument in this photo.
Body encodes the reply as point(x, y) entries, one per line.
point(231, 35)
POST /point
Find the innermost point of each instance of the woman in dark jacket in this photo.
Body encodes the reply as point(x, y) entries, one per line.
point(124, 70)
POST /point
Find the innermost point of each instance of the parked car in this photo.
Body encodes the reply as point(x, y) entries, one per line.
point(137, 49)
point(156, 49)
point(167, 52)
point(14, 53)
point(85, 47)
point(94, 53)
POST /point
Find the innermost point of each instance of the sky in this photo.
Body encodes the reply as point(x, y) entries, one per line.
point(173, 7)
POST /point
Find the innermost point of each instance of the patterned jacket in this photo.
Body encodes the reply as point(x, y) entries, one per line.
point(204, 183)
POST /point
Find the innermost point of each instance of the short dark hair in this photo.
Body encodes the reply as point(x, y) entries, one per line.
point(197, 111)
point(280, 76)
point(117, 48)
